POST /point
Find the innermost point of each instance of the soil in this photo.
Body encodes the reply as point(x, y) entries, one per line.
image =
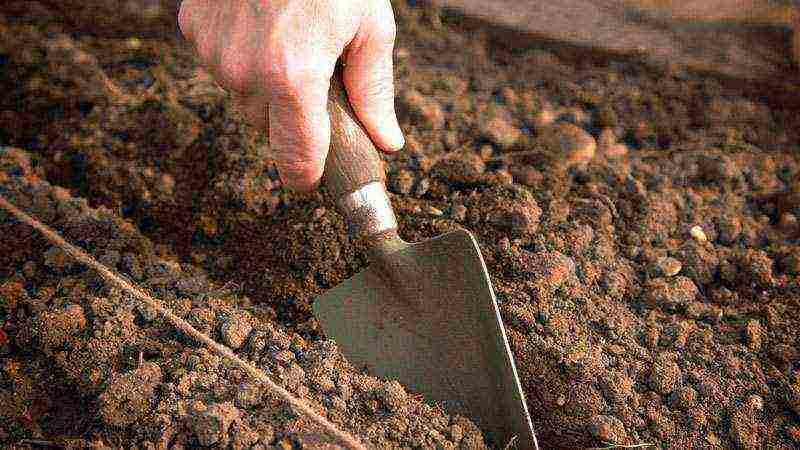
point(639, 222)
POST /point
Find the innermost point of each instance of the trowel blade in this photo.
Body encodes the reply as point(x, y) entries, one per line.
point(431, 321)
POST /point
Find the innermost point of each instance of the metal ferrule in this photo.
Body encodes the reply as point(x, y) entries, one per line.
point(368, 211)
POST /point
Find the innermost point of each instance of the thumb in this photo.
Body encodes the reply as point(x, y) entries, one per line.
point(369, 79)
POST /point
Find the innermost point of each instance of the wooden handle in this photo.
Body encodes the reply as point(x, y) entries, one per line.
point(353, 161)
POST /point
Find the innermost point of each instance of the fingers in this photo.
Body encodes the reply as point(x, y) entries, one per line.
point(369, 78)
point(299, 128)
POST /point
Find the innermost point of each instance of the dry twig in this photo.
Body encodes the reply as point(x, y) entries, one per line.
point(117, 280)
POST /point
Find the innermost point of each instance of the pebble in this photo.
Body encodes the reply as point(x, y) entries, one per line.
point(698, 234)
point(667, 266)
point(234, 332)
point(432, 210)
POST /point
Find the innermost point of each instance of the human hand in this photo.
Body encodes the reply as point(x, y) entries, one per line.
point(277, 57)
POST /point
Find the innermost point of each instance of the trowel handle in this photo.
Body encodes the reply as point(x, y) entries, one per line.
point(355, 178)
point(353, 161)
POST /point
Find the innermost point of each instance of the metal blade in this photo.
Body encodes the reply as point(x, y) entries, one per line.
point(431, 321)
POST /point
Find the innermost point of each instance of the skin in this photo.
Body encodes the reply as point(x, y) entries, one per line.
point(276, 58)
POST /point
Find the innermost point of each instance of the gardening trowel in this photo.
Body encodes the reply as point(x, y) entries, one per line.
point(422, 313)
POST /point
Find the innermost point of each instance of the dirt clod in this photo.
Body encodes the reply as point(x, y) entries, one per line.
point(130, 396)
point(235, 332)
point(666, 375)
point(568, 143)
point(608, 429)
point(211, 424)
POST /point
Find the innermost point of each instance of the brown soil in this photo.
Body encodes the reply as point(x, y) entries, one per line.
point(640, 224)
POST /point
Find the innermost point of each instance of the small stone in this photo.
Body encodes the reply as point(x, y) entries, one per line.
point(458, 212)
point(486, 152)
point(508, 95)
point(667, 266)
point(575, 114)
point(568, 143)
point(432, 210)
point(501, 131)
point(608, 429)
point(698, 234)
point(147, 313)
point(234, 332)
